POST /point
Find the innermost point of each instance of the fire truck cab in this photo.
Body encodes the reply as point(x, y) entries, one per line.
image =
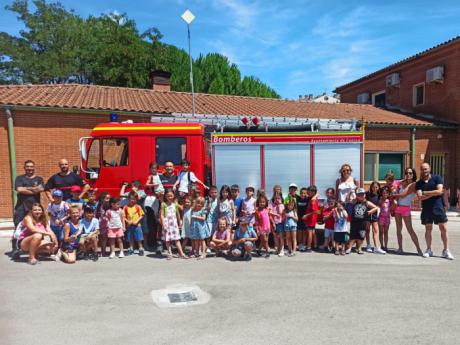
point(121, 152)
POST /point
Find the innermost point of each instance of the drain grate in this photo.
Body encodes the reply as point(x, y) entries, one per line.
point(182, 297)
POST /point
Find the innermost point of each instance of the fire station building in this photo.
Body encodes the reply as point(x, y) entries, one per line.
point(44, 123)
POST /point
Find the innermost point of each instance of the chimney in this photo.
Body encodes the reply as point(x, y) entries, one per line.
point(160, 80)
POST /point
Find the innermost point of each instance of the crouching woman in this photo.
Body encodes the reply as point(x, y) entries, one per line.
point(37, 237)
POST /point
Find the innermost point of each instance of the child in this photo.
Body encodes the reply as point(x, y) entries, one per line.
point(248, 207)
point(225, 206)
point(170, 218)
point(89, 226)
point(341, 235)
point(323, 204)
point(58, 213)
point(263, 224)
point(211, 207)
point(186, 179)
point(135, 186)
point(373, 195)
point(153, 180)
point(276, 212)
point(199, 230)
point(72, 234)
point(290, 227)
point(243, 241)
point(103, 206)
point(277, 190)
point(292, 194)
point(301, 208)
point(237, 201)
point(133, 215)
point(329, 225)
point(221, 241)
point(361, 209)
point(310, 217)
point(115, 227)
point(75, 200)
point(92, 200)
point(384, 218)
point(186, 220)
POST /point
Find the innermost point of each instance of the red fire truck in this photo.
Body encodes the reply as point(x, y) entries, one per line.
point(261, 152)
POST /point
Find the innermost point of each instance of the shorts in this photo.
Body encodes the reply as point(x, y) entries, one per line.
point(301, 225)
point(384, 220)
point(433, 218)
point(310, 222)
point(373, 218)
point(404, 211)
point(341, 237)
point(135, 234)
point(328, 233)
point(290, 228)
point(239, 249)
point(279, 228)
point(357, 234)
point(311, 228)
point(58, 231)
point(115, 233)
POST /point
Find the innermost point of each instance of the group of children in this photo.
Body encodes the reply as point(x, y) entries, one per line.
point(223, 221)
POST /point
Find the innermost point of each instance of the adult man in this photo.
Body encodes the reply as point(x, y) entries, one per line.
point(430, 190)
point(28, 186)
point(168, 178)
point(64, 180)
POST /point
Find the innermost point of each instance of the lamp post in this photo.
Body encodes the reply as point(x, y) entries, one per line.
point(188, 17)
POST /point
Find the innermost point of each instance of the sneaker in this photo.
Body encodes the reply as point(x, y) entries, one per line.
point(208, 251)
point(369, 249)
point(308, 250)
point(59, 254)
point(54, 257)
point(399, 252)
point(428, 253)
point(129, 252)
point(247, 258)
point(112, 255)
point(258, 252)
point(290, 255)
point(302, 248)
point(447, 254)
point(281, 253)
point(121, 255)
point(379, 251)
point(16, 254)
point(348, 251)
point(141, 252)
point(95, 257)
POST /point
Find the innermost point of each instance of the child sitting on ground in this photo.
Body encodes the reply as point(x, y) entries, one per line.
point(243, 240)
point(220, 241)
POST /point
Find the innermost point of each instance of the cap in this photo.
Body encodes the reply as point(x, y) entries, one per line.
point(360, 191)
point(293, 185)
point(250, 187)
point(244, 220)
point(75, 189)
point(58, 192)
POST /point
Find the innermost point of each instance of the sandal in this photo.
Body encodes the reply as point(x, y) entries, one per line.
point(343, 253)
point(336, 252)
point(360, 252)
point(201, 257)
point(169, 257)
point(32, 262)
point(185, 257)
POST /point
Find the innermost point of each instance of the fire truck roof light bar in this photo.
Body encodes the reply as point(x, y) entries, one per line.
point(265, 121)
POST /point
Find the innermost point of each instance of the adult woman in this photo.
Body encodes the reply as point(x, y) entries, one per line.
point(37, 236)
point(404, 196)
point(345, 187)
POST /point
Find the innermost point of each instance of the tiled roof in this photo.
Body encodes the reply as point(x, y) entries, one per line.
point(92, 97)
point(410, 58)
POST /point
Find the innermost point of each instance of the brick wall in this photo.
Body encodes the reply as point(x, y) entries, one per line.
point(441, 100)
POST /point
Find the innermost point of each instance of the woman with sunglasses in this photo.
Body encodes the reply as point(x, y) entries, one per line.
point(345, 187)
point(404, 196)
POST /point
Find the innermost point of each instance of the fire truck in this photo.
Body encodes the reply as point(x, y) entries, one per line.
point(258, 151)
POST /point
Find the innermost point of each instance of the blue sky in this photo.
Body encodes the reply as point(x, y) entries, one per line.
point(296, 47)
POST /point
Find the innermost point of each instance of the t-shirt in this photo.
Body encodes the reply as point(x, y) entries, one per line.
point(57, 211)
point(64, 183)
point(434, 204)
point(133, 213)
point(289, 197)
point(237, 203)
point(302, 204)
point(329, 222)
point(88, 227)
point(249, 233)
point(249, 206)
point(359, 215)
point(92, 205)
point(114, 219)
point(26, 201)
point(168, 181)
point(75, 202)
point(312, 209)
point(373, 198)
point(185, 178)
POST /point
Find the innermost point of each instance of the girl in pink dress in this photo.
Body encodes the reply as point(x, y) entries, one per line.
point(384, 216)
point(263, 223)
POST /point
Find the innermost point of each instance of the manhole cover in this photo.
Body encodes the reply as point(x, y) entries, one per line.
point(179, 296)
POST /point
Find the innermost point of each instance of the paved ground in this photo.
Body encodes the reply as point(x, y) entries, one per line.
point(309, 299)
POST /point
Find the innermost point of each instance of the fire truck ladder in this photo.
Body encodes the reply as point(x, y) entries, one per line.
point(240, 123)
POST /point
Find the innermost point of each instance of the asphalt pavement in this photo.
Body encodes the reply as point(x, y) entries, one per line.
point(312, 298)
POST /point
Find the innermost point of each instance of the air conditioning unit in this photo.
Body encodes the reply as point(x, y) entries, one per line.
point(392, 79)
point(363, 98)
point(435, 75)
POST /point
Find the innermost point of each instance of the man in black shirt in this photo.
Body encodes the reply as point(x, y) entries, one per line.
point(64, 180)
point(168, 178)
point(430, 190)
point(28, 187)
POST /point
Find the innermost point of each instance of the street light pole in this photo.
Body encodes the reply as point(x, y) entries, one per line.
point(188, 17)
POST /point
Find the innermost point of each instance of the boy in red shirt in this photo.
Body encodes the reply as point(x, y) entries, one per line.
point(311, 217)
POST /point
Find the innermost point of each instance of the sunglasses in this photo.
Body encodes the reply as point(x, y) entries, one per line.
point(409, 173)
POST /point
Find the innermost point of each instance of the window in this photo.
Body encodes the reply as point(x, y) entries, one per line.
point(377, 165)
point(419, 94)
point(115, 152)
point(378, 99)
point(93, 162)
point(437, 163)
point(170, 150)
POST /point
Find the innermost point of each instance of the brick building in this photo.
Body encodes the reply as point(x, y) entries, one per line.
point(426, 85)
point(48, 120)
